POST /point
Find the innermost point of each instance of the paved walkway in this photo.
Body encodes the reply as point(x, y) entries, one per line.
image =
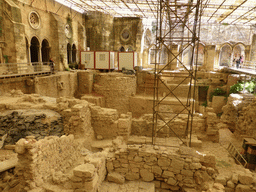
point(242, 70)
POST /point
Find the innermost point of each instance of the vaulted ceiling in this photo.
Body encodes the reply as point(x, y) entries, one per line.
point(239, 12)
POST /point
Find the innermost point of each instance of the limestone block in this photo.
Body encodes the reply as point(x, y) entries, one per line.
point(85, 170)
point(221, 179)
point(209, 161)
point(172, 181)
point(157, 170)
point(243, 188)
point(132, 176)
point(124, 123)
point(138, 159)
point(20, 146)
point(116, 178)
point(110, 166)
point(230, 184)
point(146, 175)
point(164, 162)
point(195, 166)
point(245, 179)
point(178, 164)
point(218, 186)
point(90, 185)
point(167, 174)
point(218, 102)
point(188, 173)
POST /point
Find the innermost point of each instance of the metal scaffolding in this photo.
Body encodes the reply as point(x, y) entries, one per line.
point(178, 28)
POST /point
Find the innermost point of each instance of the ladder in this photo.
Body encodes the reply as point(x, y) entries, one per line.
point(236, 154)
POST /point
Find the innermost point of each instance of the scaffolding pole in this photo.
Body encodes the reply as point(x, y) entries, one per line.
point(178, 29)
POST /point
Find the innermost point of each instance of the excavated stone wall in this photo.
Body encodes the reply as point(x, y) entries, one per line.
point(234, 113)
point(75, 113)
point(21, 123)
point(168, 168)
point(116, 88)
point(40, 160)
point(143, 126)
point(107, 123)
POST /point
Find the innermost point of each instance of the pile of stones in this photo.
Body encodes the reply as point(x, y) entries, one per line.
point(21, 123)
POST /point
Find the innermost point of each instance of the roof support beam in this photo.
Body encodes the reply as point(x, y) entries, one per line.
point(233, 11)
point(216, 10)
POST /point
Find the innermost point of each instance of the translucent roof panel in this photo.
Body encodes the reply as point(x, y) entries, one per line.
point(213, 11)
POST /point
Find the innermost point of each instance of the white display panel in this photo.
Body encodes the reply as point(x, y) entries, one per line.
point(87, 59)
point(102, 60)
point(127, 60)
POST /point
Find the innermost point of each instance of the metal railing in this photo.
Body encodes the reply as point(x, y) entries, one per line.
point(25, 68)
point(248, 65)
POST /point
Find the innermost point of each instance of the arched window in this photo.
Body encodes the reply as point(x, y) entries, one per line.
point(69, 53)
point(45, 50)
point(34, 50)
point(74, 53)
point(187, 56)
point(122, 49)
point(200, 57)
point(225, 56)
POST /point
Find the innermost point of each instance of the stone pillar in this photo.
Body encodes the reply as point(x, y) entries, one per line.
point(217, 57)
point(1, 52)
point(173, 64)
point(29, 54)
point(40, 54)
point(247, 53)
point(209, 57)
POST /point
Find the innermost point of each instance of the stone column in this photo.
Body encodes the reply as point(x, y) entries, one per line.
point(29, 54)
point(209, 57)
point(217, 57)
point(247, 53)
point(173, 64)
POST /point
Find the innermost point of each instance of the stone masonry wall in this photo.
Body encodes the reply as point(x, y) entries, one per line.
point(234, 114)
point(38, 161)
point(108, 124)
point(168, 168)
point(143, 126)
point(116, 88)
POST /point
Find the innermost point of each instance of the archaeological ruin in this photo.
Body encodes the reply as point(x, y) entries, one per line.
point(127, 96)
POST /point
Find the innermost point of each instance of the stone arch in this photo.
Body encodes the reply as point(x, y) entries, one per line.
point(34, 49)
point(225, 58)
point(69, 53)
point(122, 49)
point(74, 51)
point(151, 54)
point(45, 51)
point(238, 50)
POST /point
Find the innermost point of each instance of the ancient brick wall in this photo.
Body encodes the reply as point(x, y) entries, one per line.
point(40, 160)
point(164, 166)
point(107, 123)
point(116, 88)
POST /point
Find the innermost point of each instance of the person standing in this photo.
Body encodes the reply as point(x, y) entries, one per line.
point(51, 65)
point(237, 62)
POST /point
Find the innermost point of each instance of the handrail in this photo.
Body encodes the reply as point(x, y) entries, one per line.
point(25, 68)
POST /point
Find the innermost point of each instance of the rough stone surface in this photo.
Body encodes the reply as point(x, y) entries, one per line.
point(116, 178)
